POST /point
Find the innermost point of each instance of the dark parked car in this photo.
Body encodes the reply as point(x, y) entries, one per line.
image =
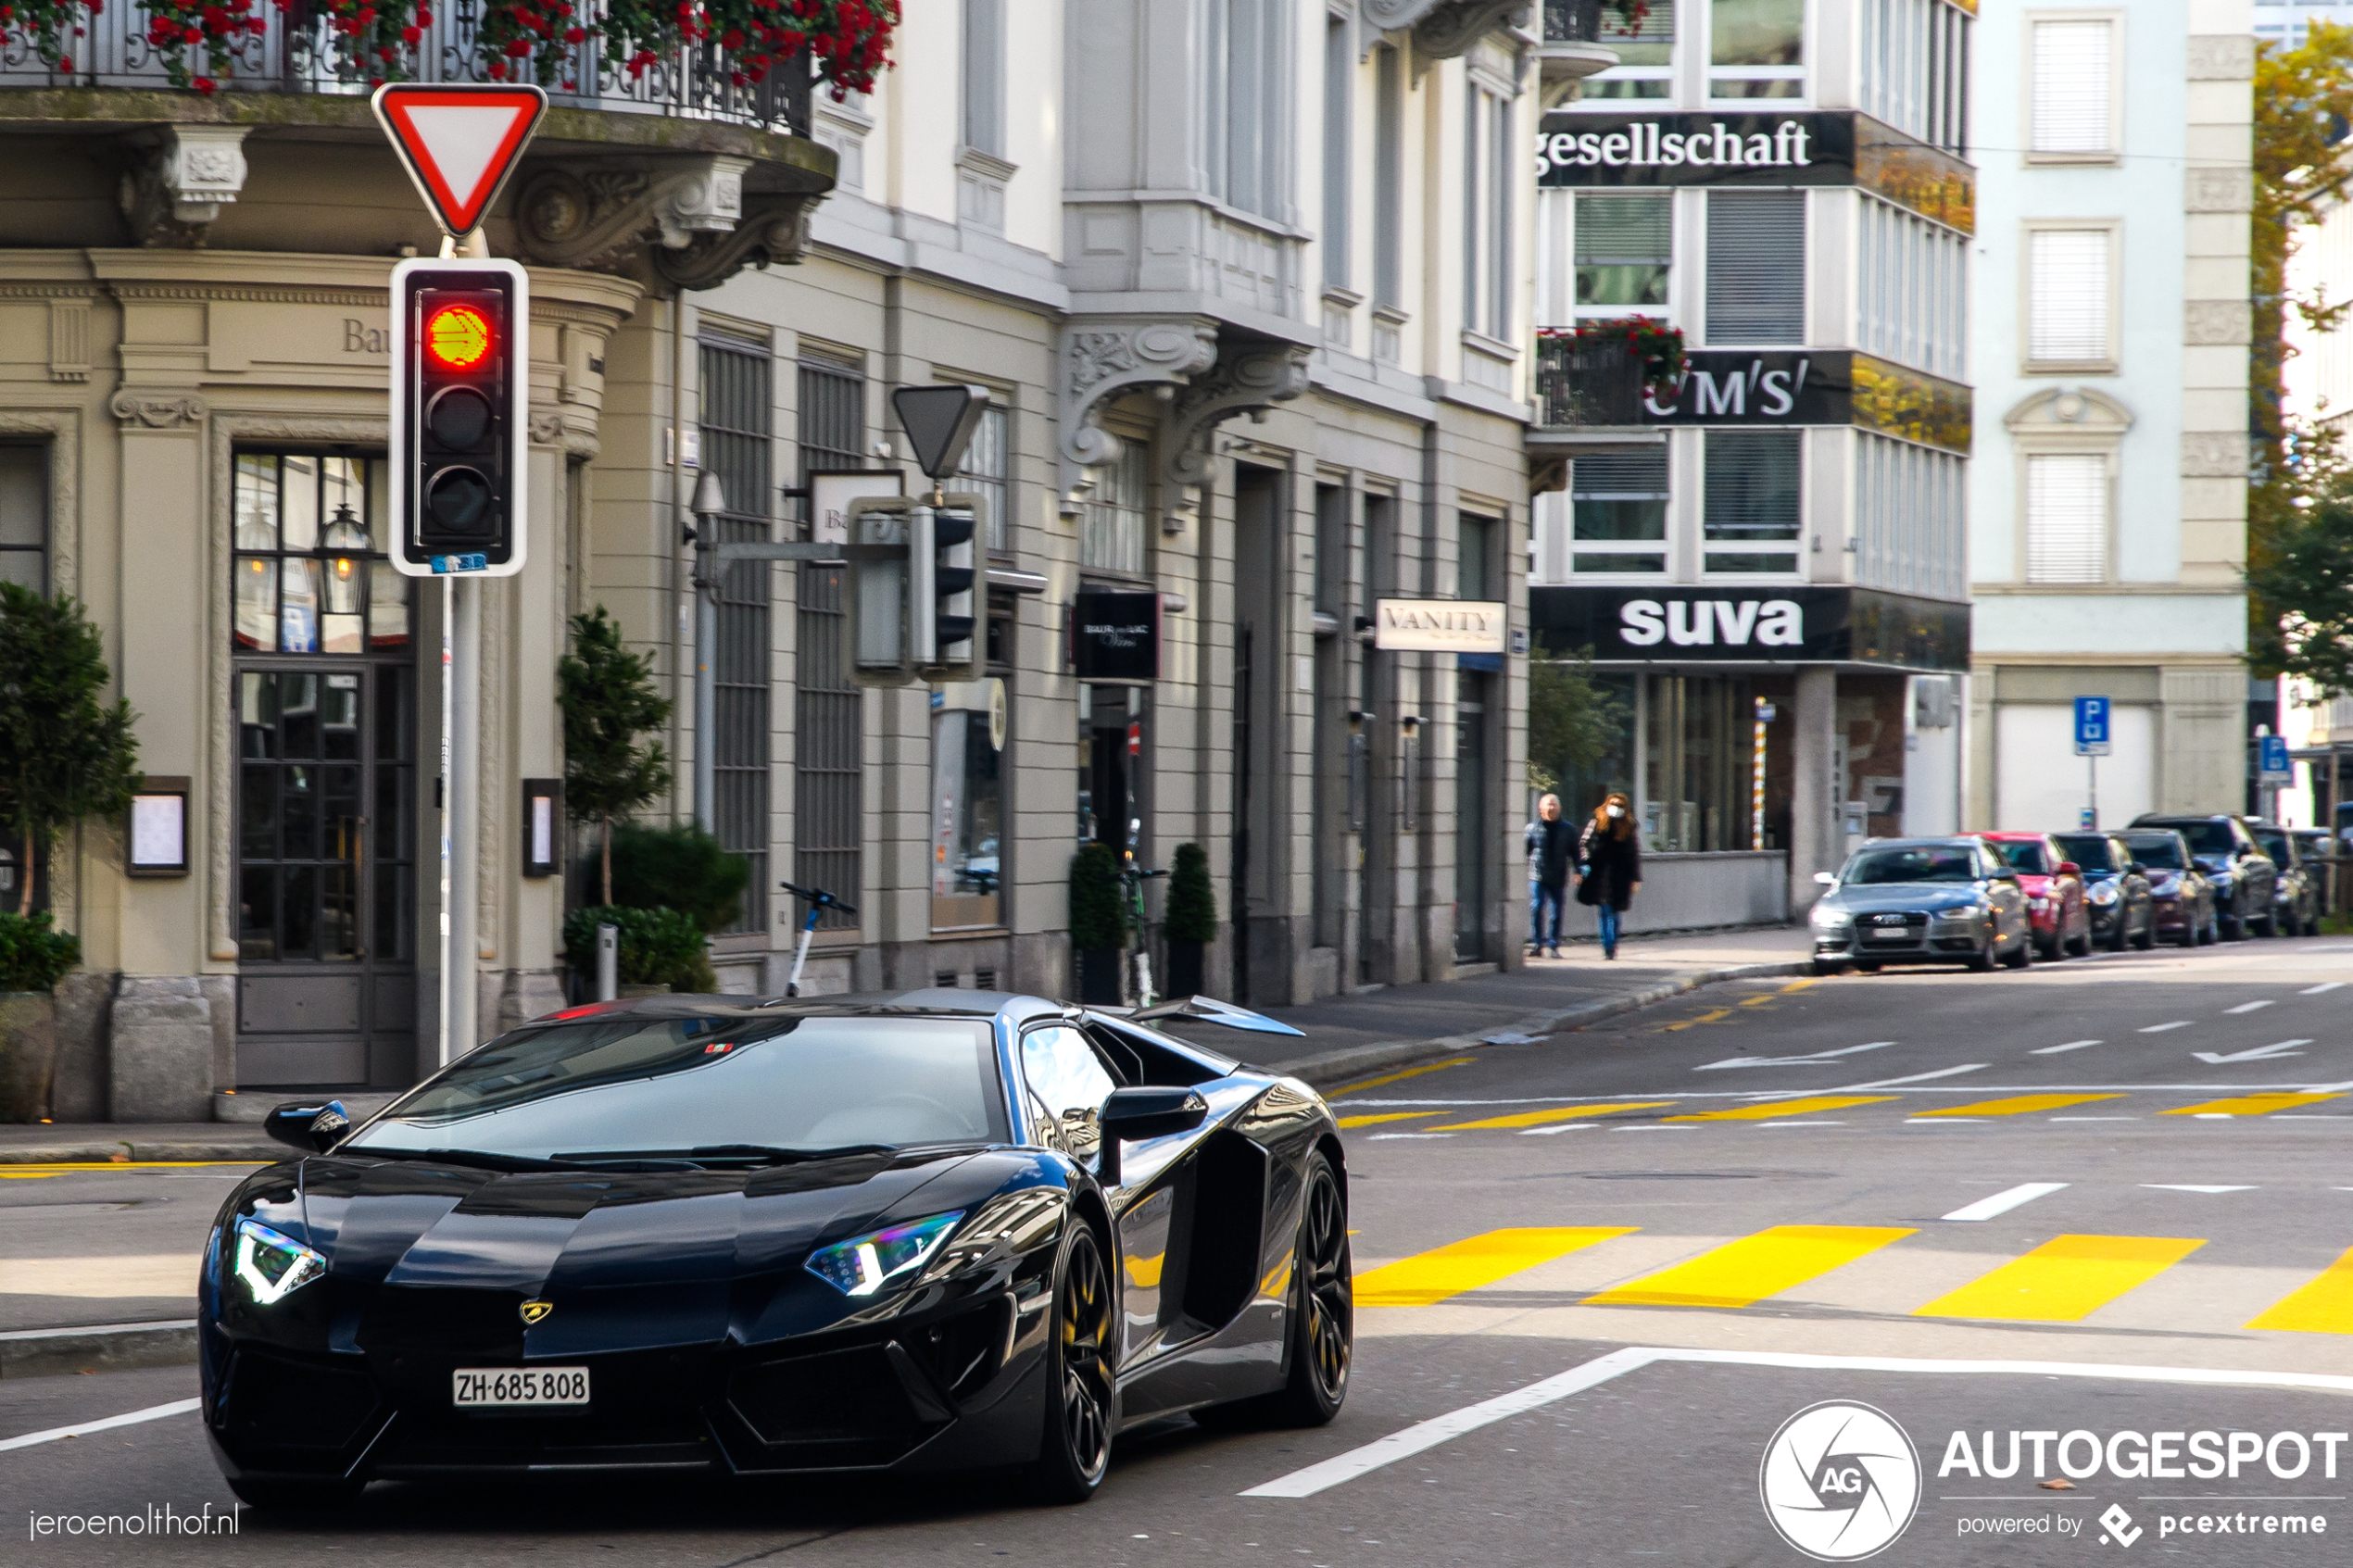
point(2053, 883)
point(2116, 890)
point(2183, 895)
point(2242, 874)
point(2319, 853)
point(686, 1235)
point(1921, 900)
point(2295, 896)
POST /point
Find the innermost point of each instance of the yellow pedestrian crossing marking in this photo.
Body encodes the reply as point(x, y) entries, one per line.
point(1539, 1118)
point(1758, 1002)
point(2323, 1306)
point(1773, 1110)
point(2017, 1105)
point(1749, 1270)
point(1401, 1078)
point(1383, 1116)
point(2064, 1280)
point(2248, 1105)
point(1713, 1015)
point(1474, 1262)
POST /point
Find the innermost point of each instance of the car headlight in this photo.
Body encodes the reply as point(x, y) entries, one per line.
point(1961, 912)
point(1832, 920)
point(2104, 894)
point(864, 1264)
point(272, 1264)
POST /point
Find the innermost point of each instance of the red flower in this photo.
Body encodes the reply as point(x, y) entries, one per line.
point(575, 34)
point(204, 84)
point(409, 36)
point(498, 70)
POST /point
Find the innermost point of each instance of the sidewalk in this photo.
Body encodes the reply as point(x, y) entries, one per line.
point(1351, 1035)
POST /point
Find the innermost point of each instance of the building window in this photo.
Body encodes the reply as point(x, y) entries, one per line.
point(1752, 514)
point(1908, 517)
point(1111, 535)
point(1757, 49)
point(2073, 99)
point(967, 811)
point(1389, 173)
point(983, 473)
point(1617, 503)
point(24, 516)
point(828, 802)
point(1913, 289)
point(737, 431)
point(1248, 109)
point(1755, 268)
point(1645, 65)
point(1915, 68)
point(313, 570)
point(2069, 299)
point(1475, 557)
point(985, 75)
point(1489, 171)
point(1625, 245)
point(1339, 68)
point(2066, 517)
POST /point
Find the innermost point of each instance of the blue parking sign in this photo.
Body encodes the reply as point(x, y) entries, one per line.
point(2273, 763)
point(2091, 726)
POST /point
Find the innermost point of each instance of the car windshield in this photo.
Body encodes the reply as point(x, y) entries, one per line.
point(1919, 863)
point(2025, 855)
point(620, 1086)
point(2160, 851)
point(2089, 850)
point(2207, 837)
point(2272, 841)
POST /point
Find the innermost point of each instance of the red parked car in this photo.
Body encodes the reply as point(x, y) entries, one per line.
point(2053, 889)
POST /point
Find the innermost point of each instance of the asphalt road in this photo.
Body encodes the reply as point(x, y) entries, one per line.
point(2106, 1206)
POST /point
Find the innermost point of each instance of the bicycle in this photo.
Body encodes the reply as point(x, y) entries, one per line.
point(819, 901)
point(1132, 878)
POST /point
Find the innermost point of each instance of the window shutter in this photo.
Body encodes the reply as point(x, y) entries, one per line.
point(2066, 518)
point(2067, 315)
point(2072, 85)
point(1622, 229)
point(1755, 266)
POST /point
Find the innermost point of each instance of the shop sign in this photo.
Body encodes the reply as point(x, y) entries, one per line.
point(1115, 637)
point(1440, 626)
point(1830, 148)
point(1793, 624)
point(1798, 386)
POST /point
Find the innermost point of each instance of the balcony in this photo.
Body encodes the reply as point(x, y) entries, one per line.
point(1572, 48)
point(1591, 387)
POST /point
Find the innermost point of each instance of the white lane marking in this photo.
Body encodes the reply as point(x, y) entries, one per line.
point(1914, 1078)
point(2071, 1045)
point(2249, 1007)
point(15, 1333)
point(2210, 1116)
point(2207, 1087)
point(2003, 1202)
point(2179, 1186)
point(2321, 989)
point(2325, 1088)
point(1564, 1127)
point(1789, 1060)
point(2161, 1028)
point(2272, 1052)
point(2308, 1116)
point(153, 1412)
point(1425, 1435)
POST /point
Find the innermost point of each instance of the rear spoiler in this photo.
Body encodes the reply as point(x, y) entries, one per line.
point(1205, 1009)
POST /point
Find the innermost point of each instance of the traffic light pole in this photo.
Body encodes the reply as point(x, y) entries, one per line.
point(460, 759)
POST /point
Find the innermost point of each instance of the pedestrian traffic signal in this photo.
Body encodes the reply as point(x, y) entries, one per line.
point(460, 392)
point(940, 552)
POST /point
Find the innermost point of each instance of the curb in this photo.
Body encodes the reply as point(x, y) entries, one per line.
point(114, 1346)
point(1332, 1068)
point(128, 1153)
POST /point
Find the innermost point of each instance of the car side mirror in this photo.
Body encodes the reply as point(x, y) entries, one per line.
point(2069, 868)
point(309, 1125)
point(1145, 1112)
point(1827, 879)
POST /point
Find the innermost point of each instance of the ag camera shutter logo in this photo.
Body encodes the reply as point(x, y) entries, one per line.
point(1839, 1481)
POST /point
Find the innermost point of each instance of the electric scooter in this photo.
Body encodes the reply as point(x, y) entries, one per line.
point(819, 901)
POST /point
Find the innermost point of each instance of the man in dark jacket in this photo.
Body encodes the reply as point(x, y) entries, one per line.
point(1552, 844)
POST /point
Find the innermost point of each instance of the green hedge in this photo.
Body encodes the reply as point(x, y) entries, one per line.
point(658, 947)
point(1192, 913)
point(678, 868)
point(1097, 917)
point(33, 956)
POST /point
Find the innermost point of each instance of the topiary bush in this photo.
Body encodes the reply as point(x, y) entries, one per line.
point(658, 947)
point(678, 868)
point(32, 956)
point(1097, 918)
point(1191, 911)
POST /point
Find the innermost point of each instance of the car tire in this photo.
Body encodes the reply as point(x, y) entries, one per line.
point(2024, 957)
point(1082, 1396)
point(1867, 966)
point(1322, 1336)
point(2211, 936)
point(2082, 947)
point(305, 1498)
point(1982, 964)
point(2146, 940)
point(1823, 967)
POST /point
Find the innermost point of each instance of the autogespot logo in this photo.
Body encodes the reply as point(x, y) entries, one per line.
point(1839, 1481)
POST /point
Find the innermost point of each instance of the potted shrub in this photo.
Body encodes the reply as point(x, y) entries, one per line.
point(33, 959)
point(609, 699)
point(678, 868)
point(660, 949)
point(1098, 924)
point(1190, 920)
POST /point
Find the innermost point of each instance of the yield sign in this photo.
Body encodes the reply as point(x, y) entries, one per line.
point(458, 142)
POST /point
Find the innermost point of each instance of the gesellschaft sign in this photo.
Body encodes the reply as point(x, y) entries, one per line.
point(1826, 148)
point(1439, 626)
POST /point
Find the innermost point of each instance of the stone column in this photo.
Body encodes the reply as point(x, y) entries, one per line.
point(1813, 835)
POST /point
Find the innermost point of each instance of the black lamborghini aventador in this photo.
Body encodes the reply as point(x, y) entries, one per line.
point(942, 1229)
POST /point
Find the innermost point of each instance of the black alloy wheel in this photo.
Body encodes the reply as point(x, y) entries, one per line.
point(2146, 940)
point(1081, 1398)
point(1323, 1319)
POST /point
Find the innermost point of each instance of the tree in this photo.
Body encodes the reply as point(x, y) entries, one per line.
point(2309, 573)
point(65, 757)
point(1572, 718)
point(608, 700)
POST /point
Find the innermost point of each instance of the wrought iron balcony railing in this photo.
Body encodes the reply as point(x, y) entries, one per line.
point(295, 52)
point(1572, 21)
point(1583, 385)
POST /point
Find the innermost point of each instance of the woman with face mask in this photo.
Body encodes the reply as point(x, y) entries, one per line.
point(1609, 866)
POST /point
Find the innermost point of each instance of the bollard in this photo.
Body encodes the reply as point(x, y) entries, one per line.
point(608, 962)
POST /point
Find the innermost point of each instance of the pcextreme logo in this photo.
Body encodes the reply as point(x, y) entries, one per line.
point(1839, 1481)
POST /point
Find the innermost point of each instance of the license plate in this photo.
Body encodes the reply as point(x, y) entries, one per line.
point(1889, 932)
point(497, 1387)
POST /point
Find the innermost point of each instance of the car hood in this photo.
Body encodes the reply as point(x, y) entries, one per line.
point(1873, 896)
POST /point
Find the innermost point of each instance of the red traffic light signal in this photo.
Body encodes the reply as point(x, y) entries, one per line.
point(460, 403)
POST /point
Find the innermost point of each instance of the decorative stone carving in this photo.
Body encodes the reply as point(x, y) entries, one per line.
point(1451, 28)
point(708, 200)
point(547, 427)
point(182, 181)
point(157, 410)
point(1256, 377)
point(2225, 57)
point(688, 221)
point(2219, 190)
point(775, 232)
point(2214, 454)
point(1391, 15)
point(1106, 357)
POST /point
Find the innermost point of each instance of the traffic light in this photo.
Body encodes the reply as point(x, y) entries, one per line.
point(460, 394)
point(939, 553)
point(914, 590)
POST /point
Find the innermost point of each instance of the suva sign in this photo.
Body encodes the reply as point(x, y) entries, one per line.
point(1732, 623)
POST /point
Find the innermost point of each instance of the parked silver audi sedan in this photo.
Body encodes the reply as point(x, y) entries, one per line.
point(1921, 900)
